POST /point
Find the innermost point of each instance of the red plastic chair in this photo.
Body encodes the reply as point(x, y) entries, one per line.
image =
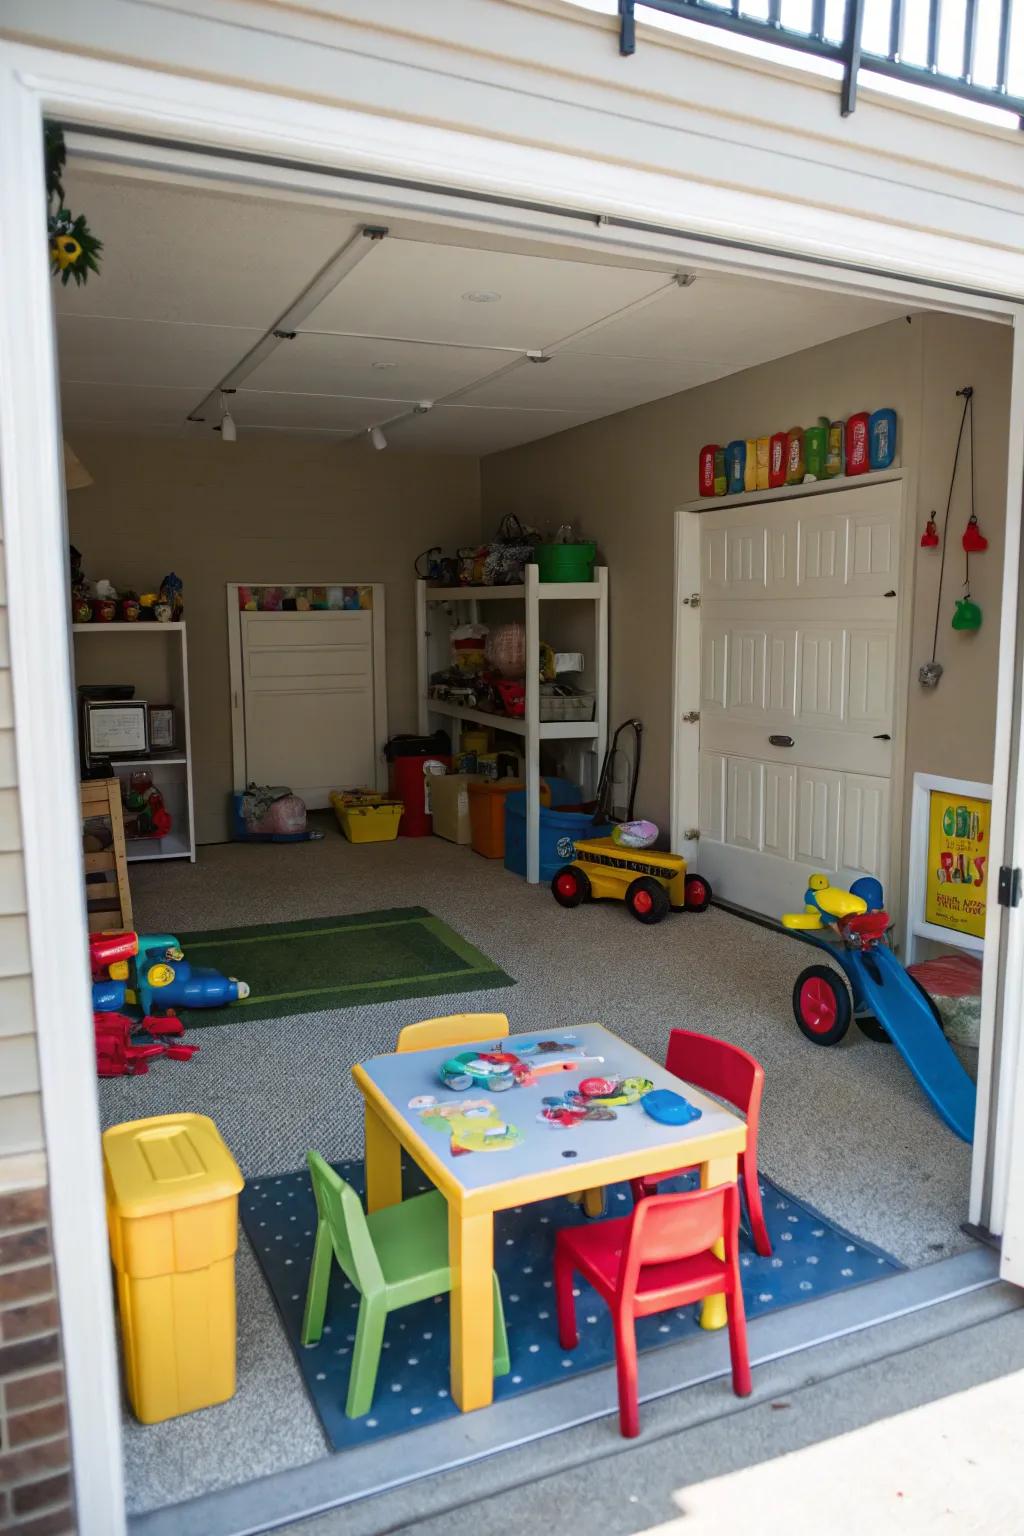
point(732, 1075)
point(657, 1258)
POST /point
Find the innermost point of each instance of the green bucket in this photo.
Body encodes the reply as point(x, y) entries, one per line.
point(565, 562)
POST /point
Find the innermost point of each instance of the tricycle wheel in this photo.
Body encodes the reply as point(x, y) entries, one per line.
point(647, 900)
point(570, 886)
point(821, 1005)
point(698, 893)
point(869, 1026)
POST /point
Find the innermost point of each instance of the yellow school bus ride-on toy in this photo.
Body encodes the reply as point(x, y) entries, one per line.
point(651, 884)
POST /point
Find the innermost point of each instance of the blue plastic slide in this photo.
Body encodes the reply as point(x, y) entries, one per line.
point(900, 1006)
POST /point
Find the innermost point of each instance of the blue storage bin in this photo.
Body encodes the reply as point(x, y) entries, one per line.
point(559, 828)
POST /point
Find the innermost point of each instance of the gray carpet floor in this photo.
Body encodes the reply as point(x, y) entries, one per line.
point(847, 1128)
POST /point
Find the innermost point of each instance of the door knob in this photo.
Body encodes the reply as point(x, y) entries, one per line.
point(781, 741)
point(884, 737)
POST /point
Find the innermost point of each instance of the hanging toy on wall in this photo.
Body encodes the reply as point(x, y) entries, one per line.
point(74, 249)
point(974, 541)
point(966, 612)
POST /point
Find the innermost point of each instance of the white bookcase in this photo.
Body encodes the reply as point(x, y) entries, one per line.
point(532, 598)
point(154, 658)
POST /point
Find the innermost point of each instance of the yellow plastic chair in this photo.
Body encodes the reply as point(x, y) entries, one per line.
point(455, 1029)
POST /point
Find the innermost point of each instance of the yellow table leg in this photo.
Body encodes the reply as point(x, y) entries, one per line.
point(593, 1202)
point(471, 1257)
point(719, 1170)
point(383, 1163)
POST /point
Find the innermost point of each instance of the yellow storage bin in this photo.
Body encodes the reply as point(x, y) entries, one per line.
point(366, 817)
point(172, 1212)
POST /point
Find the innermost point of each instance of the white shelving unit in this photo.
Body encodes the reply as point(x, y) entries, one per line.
point(466, 603)
point(154, 657)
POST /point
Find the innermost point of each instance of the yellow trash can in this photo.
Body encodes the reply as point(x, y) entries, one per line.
point(172, 1211)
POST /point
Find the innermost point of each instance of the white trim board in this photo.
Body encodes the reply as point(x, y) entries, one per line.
point(380, 677)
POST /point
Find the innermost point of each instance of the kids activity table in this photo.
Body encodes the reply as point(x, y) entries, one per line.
point(548, 1161)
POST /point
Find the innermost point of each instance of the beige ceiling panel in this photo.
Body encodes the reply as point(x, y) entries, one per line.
point(462, 429)
point(339, 365)
point(178, 253)
point(131, 406)
point(733, 323)
point(107, 351)
point(416, 290)
point(339, 413)
point(571, 381)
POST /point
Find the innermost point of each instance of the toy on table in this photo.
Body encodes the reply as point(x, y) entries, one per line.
point(887, 1003)
point(501, 1070)
point(473, 1125)
point(651, 886)
point(596, 1098)
point(669, 1108)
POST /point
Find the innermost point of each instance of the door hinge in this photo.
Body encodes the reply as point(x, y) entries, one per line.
point(1009, 886)
point(693, 601)
point(691, 835)
point(691, 717)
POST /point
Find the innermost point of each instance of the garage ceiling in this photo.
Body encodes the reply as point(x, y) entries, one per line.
point(194, 280)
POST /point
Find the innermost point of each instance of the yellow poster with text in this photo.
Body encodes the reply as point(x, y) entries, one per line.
point(958, 834)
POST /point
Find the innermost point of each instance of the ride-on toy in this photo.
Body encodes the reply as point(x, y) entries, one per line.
point(651, 884)
point(887, 1003)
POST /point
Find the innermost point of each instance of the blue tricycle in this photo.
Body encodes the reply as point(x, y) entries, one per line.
point(883, 998)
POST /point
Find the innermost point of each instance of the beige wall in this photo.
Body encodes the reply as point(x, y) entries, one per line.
point(274, 509)
point(620, 480)
point(21, 1128)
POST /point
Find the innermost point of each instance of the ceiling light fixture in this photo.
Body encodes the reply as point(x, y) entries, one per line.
point(377, 438)
point(481, 296)
point(228, 430)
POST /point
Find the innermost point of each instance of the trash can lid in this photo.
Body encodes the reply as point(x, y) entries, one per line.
point(168, 1163)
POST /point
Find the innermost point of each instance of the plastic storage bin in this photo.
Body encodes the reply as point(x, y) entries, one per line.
point(487, 813)
point(560, 825)
point(565, 562)
point(172, 1213)
point(367, 818)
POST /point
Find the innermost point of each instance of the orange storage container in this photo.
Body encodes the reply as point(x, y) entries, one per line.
point(487, 813)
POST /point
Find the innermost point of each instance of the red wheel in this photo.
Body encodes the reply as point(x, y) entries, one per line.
point(570, 886)
point(647, 900)
point(698, 893)
point(821, 1005)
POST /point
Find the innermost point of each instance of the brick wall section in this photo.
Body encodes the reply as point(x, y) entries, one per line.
point(35, 1480)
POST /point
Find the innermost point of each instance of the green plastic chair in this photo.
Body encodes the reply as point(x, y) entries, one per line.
point(393, 1257)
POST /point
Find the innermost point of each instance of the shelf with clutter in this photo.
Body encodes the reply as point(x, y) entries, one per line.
point(830, 450)
point(503, 655)
point(131, 678)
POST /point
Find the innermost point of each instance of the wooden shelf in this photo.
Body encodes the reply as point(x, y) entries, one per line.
point(550, 730)
point(140, 627)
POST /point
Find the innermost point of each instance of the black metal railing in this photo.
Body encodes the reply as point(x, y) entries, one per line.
point(966, 48)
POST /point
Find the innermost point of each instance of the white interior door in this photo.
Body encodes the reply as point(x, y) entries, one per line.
point(308, 684)
point(799, 613)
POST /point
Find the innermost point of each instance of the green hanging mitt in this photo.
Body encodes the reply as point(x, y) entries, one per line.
point(967, 614)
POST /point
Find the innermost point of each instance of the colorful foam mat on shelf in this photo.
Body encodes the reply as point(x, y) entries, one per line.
point(812, 1257)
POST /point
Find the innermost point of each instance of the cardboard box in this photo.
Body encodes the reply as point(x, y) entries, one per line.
point(449, 799)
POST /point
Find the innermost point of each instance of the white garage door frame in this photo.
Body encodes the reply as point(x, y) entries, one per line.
point(527, 182)
point(239, 768)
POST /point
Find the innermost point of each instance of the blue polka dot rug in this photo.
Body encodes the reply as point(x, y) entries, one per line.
point(811, 1258)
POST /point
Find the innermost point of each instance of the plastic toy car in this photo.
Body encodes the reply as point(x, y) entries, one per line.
point(651, 884)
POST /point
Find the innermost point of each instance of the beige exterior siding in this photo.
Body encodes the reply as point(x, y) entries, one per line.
point(21, 1127)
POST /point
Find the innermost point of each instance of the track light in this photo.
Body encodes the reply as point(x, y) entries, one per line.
point(377, 437)
point(228, 430)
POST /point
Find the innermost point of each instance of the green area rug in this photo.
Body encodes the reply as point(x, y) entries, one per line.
point(338, 962)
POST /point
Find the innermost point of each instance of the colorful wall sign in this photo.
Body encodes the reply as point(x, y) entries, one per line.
point(958, 860)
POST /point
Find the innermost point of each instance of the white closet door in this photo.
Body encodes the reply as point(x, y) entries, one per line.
point(799, 612)
point(309, 701)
